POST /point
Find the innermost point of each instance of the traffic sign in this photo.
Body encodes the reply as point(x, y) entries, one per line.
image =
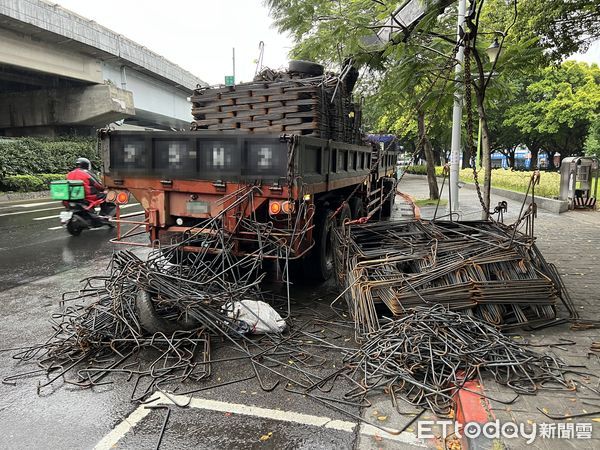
point(229, 80)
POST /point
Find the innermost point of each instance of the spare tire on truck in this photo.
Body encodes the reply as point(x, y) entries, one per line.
point(152, 322)
point(307, 67)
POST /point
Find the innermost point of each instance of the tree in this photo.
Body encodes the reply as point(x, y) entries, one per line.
point(556, 108)
point(592, 142)
point(565, 27)
point(531, 33)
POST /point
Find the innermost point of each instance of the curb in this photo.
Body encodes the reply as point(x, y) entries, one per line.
point(473, 407)
point(15, 196)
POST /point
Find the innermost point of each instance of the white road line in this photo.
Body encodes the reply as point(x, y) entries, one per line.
point(56, 228)
point(30, 212)
point(405, 437)
point(110, 440)
point(56, 217)
point(46, 218)
point(30, 205)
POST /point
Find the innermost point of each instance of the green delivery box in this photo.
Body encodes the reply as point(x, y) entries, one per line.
point(67, 190)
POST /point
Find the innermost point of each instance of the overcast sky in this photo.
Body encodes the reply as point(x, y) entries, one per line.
point(198, 35)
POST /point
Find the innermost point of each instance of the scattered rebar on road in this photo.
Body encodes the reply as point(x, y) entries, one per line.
point(450, 286)
point(428, 355)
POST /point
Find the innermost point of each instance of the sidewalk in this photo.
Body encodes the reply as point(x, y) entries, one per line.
point(570, 241)
point(8, 197)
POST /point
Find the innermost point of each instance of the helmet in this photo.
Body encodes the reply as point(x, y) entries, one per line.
point(83, 163)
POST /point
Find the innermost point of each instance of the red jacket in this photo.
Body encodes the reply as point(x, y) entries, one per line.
point(91, 185)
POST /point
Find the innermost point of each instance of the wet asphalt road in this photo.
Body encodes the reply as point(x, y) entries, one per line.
point(33, 244)
point(38, 262)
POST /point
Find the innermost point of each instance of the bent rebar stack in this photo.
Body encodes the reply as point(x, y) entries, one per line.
point(484, 268)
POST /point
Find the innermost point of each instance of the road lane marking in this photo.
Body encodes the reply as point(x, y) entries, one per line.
point(46, 218)
point(118, 432)
point(111, 439)
point(56, 217)
point(30, 212)
point(29, 205)
point(56, 228)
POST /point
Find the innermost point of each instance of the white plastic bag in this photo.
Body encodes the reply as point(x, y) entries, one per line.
point(260, 316)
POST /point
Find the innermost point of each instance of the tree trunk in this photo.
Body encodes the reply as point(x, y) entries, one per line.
point(429, 157)
point(511, 158)
point(534, 157)
point(486, 160)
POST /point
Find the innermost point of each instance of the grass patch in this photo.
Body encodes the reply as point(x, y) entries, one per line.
point(430, 202)
point(517, 181)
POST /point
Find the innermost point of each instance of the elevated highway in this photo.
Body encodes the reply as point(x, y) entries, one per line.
point(60, 72)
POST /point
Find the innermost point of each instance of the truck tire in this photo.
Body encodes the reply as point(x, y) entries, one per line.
point(307, 67)
point(388, 204)
point(357, 208)
point(320, 264)
point(152, 322)
point(344, 214)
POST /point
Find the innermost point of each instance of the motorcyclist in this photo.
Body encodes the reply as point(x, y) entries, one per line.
point(94, 189)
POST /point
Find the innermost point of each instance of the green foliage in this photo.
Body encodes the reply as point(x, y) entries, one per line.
point(29, 183)
point(565, 27)
point(29, 156)
point(422, 170)
point(22, 183)
point(47, 178)
point(556, 106)
point(530, 98)
point(430, 202)
point(327, 31)
point(592, 142)
point(518, 181)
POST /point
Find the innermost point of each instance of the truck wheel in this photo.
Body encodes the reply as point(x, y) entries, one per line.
point(320, 264)
point(152, 322)
point(344, 214)
point(357, 208)
point(307, 67)
point(386, 208)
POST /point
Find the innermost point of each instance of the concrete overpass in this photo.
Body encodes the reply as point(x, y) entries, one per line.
point(60, 72)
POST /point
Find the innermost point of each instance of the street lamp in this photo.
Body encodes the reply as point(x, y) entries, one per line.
point(493, 50)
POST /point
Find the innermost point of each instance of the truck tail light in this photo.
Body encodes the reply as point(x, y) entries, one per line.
point(274, 208)
point(278, 207)
point(111, 196)
point(118, 197)
point(122, 197)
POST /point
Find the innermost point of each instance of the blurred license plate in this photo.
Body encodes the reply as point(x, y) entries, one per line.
point(65, 215)
point(198, 207)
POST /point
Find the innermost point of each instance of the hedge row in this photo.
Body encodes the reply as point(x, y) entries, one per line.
point(506, 179)
point(29, 183)
point(31, 156)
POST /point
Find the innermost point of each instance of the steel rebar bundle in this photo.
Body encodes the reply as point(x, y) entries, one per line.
point(481, 267)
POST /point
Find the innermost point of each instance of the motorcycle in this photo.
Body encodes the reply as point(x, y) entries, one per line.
point(81, 215)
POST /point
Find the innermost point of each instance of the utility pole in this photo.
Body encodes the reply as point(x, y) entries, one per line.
point(455, 151)
point(233, 58)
